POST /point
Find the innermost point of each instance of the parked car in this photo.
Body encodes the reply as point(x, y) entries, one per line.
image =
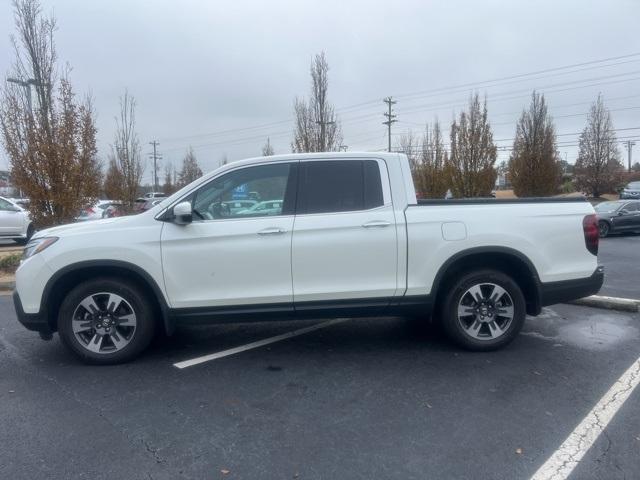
point(631, 191)
point(96, 211)
point(15, 223)
point(151, 202)
point(268, 207)
point(618, 216)
point(350, 240)
point(155, 195)
point(236, 206)
point(139, 203)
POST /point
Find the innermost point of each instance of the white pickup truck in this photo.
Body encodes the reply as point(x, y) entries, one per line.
point(300, 236)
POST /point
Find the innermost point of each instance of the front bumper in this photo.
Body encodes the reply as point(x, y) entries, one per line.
point(36, 322)
point(568, 290)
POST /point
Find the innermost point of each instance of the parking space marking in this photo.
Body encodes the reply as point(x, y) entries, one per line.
point(560, 465)
point(259, 343)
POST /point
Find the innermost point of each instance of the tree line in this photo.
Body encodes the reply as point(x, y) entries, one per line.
point(54, 160)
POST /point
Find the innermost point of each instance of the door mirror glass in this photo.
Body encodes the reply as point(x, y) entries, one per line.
point(182, 213)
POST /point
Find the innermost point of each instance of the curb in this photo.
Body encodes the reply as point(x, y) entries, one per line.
point(7, 285)
point(609, 303)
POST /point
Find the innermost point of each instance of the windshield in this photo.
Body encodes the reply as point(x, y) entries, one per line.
point(608, 207)
point(633, 186)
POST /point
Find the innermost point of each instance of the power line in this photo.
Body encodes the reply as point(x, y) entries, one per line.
point(419, 93)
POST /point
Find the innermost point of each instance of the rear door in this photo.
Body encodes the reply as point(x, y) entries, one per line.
point(344, 243)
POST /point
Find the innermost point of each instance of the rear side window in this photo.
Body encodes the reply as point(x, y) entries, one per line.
point(339, 186)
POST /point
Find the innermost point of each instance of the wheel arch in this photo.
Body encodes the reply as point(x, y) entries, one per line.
point(72, 275)
point(507, 260)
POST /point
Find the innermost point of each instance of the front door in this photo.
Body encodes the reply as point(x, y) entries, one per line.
point(629, 217)
point(344, 237)
point(234, 255)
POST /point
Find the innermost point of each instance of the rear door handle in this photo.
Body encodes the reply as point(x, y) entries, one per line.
point(376, 223)
point(272, 231)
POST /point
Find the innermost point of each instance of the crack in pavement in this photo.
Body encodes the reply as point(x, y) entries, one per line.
point(14, 352)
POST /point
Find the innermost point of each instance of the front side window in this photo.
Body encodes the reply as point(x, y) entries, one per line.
point(631, 207)
point(339, 186)
point(248, 192)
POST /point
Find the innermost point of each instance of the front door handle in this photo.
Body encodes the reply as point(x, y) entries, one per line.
point(376, 223)
point(272, 231)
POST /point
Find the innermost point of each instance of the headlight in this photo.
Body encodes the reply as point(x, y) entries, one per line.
point(37, 245)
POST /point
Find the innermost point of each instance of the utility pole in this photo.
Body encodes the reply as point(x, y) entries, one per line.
point(629, 146)
point(155, 165)
point(390, 117)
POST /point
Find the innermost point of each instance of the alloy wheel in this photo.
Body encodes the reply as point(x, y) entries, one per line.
point(104, 322)
point(485, 311)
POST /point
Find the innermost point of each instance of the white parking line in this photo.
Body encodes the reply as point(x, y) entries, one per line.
point(560, 465)
point(259, 343)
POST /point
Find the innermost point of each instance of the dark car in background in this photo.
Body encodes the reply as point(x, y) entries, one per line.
point(631, 191)
point(618, 216)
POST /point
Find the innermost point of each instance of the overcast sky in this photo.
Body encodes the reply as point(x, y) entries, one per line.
point(197, 68)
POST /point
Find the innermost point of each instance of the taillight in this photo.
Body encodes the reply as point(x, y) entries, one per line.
point(591, 233)
point(90, 211)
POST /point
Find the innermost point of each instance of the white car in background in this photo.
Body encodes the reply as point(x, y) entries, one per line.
point(15, 223)
point(95, 211)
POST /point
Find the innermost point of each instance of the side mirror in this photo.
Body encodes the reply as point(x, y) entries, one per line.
point(182, 213)
point(623, 212)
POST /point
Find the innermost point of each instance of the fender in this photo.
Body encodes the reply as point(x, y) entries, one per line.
point(442, 271)
point(121, 265)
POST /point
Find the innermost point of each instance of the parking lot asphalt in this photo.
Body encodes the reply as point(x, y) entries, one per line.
point(362, 399)
point(620, 254)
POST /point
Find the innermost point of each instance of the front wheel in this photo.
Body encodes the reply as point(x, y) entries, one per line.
point(30, 231)
point(483, 310)
point(106, 321)
point(603, 229)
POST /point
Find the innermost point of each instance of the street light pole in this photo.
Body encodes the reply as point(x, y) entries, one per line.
point(26, 84)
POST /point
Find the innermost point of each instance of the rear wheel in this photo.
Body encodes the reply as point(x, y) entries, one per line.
point(106, 321)
point(483, 310)
point(603, 228)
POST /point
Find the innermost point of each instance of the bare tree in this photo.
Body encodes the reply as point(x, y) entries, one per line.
point(408, 144)
point(52, 146)
point(126, 150)
point(190, 169)
point(473, 153)
point(169, 187)
point(429, 175)
point(598, 168)
point(267, 149)
point(535, 164)
point(113, 181)
point(317, 128)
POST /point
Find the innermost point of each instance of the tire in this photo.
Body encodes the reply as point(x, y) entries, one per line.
point(603, 229)
point(30, 232)
point(484, 325)
point(112, 318)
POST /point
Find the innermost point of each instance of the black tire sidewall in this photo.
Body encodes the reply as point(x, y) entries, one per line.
point(131, 293)
point(606, 233)
point(449, 311)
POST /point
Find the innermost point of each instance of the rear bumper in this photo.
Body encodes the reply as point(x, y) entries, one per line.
point(36, 322)
point(568, 290)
